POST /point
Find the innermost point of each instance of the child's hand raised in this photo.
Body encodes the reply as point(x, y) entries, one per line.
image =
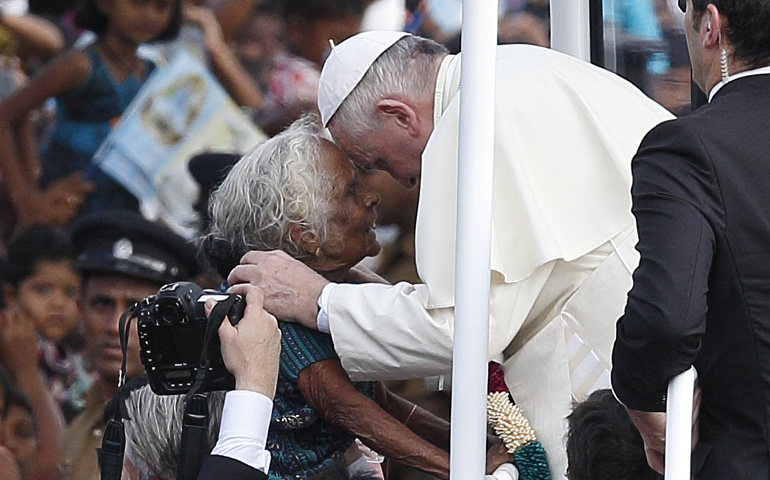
point(205, 19)
point(18, 343)
point(57, 204)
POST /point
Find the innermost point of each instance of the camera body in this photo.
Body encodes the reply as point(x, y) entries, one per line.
point(172, 327)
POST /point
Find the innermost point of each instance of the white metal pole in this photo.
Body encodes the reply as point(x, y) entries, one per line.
point(474, 220)
point(679, 404)
point(570, 31)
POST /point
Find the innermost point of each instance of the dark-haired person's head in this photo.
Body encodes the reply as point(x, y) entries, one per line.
point(41, 282)
point(98, 15)
point(310, 24)
point(123, 258)
point(603, 443)
point(39, 242)
point(747, 27)
point(19, 432)
point(737, 27)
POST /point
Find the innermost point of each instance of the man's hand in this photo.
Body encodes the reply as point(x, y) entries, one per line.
point(252, 348)
point(290, 288)
point(652, 427)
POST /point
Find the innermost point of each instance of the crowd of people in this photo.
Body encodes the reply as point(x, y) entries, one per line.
point(629, 240)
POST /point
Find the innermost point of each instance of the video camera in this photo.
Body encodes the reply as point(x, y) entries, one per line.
point(173, 330)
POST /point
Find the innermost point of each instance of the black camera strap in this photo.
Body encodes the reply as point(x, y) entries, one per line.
point(215, 318)
point(193, 447)
point(110, 455)
point(196, 415)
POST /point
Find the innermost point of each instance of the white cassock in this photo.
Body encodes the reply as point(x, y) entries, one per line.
point(562, 240)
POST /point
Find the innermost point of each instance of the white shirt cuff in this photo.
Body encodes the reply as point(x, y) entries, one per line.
point(322, 320)
point(243, 431)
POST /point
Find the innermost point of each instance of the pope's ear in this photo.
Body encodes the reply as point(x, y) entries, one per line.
point(400, 112)
point(307, 241)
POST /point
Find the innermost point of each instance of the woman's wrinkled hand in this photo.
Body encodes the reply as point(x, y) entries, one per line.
point(497, 454)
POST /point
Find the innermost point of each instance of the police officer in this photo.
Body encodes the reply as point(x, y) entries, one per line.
point(122, 258)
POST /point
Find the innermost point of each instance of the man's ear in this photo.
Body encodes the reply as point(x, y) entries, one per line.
point(307, 241)
point(712, 25)
point(403, 114)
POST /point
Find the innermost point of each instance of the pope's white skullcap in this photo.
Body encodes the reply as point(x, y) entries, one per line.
point(346, 65)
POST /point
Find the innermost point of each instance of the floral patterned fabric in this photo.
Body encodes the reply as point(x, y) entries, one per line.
point(301, 443)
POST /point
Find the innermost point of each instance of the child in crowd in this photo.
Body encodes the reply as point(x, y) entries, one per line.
point(18, 434)
point(42, 286)
point(603, 443)
point(93, 85)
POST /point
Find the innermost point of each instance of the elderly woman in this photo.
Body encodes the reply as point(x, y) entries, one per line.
point(299, 193)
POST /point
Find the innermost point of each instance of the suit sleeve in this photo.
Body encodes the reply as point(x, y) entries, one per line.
point(675, 206)
point(217, 467)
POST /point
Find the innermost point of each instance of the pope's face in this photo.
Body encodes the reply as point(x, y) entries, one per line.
point(390, 149)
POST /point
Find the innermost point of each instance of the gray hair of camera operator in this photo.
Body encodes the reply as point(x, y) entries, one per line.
point(278, 184)
point(154, 433)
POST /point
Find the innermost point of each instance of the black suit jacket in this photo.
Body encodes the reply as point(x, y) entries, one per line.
point(701, 293)
point(217, 467)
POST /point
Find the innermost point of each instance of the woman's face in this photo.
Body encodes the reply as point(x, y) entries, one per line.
point(351, 213)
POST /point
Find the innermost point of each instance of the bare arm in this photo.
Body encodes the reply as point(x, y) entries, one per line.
point(433, 428)
point(226, 67)
point(330, 392)
point(18, 348)
point(37, 36)
point(231, 14)
point(31, 204)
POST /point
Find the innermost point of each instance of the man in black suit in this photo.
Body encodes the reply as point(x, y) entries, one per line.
point(701, 293)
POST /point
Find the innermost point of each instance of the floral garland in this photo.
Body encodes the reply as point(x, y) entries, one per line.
point(511, 426)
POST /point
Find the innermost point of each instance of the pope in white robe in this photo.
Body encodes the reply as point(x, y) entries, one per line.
point(562, 236)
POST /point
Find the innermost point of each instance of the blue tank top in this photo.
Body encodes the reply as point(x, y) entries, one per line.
point(84, 118)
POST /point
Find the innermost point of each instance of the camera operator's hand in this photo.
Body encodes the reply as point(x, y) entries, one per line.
point(252, 348)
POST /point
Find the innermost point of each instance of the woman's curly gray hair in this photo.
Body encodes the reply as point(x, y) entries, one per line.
point(154, 433)
point(278, 184)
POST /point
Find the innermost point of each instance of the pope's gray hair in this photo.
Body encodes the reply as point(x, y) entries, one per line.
point(406, 70)
point(278, 184)
point(154, 433)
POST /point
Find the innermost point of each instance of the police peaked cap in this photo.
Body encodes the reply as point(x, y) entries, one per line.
point(124, 242)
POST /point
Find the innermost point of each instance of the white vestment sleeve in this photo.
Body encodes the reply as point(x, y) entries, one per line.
point(322, 320)
point(384, 332)
point(243, 431)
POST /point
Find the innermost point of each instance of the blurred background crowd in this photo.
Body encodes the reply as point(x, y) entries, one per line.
point(266, 55)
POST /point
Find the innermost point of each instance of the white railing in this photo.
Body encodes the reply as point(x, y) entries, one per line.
point(679, 405)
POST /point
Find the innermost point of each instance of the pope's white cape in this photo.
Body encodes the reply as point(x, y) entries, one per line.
point(565, 136)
